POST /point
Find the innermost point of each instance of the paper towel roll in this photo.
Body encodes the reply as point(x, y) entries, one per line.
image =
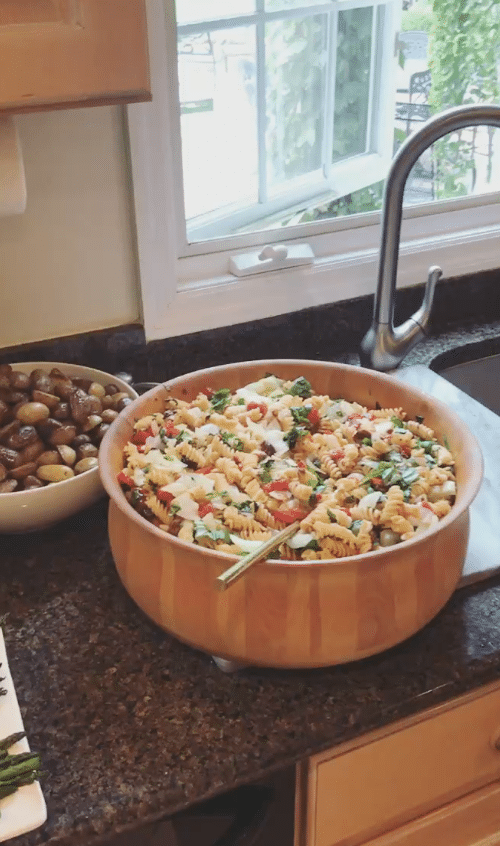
point(12, 179)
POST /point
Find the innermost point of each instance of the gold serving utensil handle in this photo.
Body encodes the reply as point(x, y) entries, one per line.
point(233, 573)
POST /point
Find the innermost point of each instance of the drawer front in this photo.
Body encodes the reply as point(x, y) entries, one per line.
point(378, 786)
point(473, 820)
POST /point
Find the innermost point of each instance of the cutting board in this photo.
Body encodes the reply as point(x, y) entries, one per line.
point(483, 555)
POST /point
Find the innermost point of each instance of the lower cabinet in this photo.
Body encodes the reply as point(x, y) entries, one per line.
point(431, 780)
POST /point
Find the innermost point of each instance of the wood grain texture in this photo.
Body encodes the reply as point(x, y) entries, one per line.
point(59, 54)
point(386, 791)
point(294, 614)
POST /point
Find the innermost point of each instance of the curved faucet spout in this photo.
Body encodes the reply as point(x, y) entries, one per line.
point(384, 345)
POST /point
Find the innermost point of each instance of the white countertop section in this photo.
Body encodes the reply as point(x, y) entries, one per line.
point(483, 555)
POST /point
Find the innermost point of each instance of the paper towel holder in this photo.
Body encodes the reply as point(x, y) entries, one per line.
point(12, 176)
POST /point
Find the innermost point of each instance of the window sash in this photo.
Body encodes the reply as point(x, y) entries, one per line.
point(346, 175)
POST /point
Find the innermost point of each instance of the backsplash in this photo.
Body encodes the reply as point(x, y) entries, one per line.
point(331, 332)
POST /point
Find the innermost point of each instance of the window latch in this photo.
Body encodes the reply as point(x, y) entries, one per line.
point(271, 257)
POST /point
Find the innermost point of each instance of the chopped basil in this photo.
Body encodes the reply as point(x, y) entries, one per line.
point(174, 508)
point(232, 441)
point(313, 544)
point(300, 413)
point(265, 474)
point(331, 516)
point(220, 399)
point(397, 422)
point(241, 401)
point(419, 418)
point(201, 530)
point(300, 388)
point(366, 441)
point(292, 436)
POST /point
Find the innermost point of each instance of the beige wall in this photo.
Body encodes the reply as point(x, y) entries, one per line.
point(67, 265)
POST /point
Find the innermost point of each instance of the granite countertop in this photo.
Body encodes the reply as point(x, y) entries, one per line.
point(132, 725)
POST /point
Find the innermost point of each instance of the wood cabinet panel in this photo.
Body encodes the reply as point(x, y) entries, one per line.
point(63, 53)
point(387, 781)
point(473, 820)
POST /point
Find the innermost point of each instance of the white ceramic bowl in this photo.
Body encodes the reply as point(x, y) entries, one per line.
point(40, 508)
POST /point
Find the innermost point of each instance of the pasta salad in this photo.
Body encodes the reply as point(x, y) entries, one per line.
point(230, 469)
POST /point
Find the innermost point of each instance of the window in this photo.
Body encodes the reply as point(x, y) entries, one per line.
point(195, 208)
point(285, 98)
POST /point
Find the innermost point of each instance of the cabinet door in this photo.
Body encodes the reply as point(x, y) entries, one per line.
point(471, 821)
point(355, 794)
point(64, 53)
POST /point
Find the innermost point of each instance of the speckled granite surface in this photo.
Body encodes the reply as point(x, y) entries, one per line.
point(131, 724)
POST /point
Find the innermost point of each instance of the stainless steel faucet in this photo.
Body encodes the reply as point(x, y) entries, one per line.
point(385, 345)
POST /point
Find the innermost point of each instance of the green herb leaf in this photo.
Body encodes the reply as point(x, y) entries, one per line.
point(220, 399)
point(232, 441)
point(292, 436)
point(300, 413)
point(300, 388)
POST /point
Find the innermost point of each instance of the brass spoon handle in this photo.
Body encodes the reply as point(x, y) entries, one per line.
point(233, 573)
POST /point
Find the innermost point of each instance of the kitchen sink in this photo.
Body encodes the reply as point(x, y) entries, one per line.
point(467, 379)
point(475, 369)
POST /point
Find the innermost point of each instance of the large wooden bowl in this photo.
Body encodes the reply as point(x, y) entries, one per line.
point(293, 614)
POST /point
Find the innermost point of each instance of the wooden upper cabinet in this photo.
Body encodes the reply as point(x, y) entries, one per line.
point(65, 53)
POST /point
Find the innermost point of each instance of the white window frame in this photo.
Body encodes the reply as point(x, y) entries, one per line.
point(184, 293)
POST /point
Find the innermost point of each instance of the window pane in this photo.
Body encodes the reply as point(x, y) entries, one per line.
point(295, 117)
point(191, 11)
point(279, 5)
point(296, 60)
point(352, 82)
point(218, 119)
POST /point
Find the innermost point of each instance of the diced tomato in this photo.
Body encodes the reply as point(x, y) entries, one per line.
point(164, 496)
point(123, 479)
point(314, 417)
point(277, 485)
point(260, 405)
point(205, 508)
point(171, 431)
point(209, 392)
point(337, 455)
point(205, 470)
point(376, 480)
point(141, 435)
point(405, 450)
point(290, 515)
point(302, 465)
point(427, 505)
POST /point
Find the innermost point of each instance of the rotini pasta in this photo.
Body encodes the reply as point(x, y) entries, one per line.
point(228, 470)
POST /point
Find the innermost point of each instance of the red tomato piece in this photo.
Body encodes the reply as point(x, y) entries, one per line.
point(376, 480)
point(208, 392)
point(164, 496)
point(205, 508)
point(260, 405)
point(123, 479)
point(405, 450)
point(427, 505)
point(170, 430)
point(314, 417)
point(337, 455)
point(141, 435)
point(290, 515)
point(278, 485)
point(205, 470)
